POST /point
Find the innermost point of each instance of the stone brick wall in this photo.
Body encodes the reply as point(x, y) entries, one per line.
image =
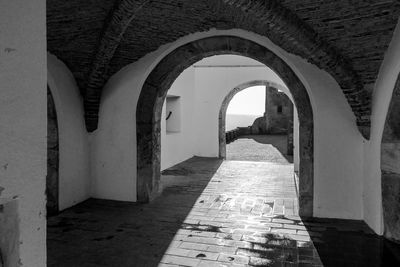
point(279, 111)
point(278, 114)
point(346, 38)
point(259, 126)
point(360, 30)
point(390, 166)
point(52, 157)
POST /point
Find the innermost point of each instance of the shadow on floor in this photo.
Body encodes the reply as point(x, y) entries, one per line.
point(344, 243)
point(212, 213)
point(112, 233)
point(321, 242)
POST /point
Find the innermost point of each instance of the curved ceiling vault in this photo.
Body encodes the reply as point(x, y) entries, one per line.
point(345, 38)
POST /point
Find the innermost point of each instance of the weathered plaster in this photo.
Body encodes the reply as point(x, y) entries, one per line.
point(23, 121)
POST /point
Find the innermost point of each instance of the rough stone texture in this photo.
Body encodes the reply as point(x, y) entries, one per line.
point(121, 16)
point(74, 29)
point(298, 37)
point(9, 233)
point(290, 137)
point(277, 123)
point(231, 136)
point(52, 157)
point(154, 91)
point(346, 38)
point(212, 213)
point(392, 127)
point(391, 205)
point(390, 157)
point(390, 166)
point(274, 121)
point(259, 126)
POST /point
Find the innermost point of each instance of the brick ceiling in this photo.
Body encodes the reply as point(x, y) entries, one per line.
point(347, 38)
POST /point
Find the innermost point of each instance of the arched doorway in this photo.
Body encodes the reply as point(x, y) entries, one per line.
point(52, 177)
point(390, 167)
point(154, 91)
point(224, 108)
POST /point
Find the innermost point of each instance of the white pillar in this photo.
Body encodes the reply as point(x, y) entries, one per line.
point(23, 122)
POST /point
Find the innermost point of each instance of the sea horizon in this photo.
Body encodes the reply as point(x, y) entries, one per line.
point(239, 120)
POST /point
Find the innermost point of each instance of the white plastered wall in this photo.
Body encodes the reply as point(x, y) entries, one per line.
point(178, 146)
point(202, 89)
point(74, 168)
point(338, 146)
point(382, 94)
point(23, 121)
point(212, 85)
point(113, 144)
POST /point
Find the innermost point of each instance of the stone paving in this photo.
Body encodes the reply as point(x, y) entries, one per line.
point(211, 213)
point(271, 148)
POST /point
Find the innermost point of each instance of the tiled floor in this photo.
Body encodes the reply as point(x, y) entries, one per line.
point(212, 213)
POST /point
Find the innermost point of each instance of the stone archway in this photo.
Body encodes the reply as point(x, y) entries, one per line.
point(224, 107)
point(52, 177)
point(154, 91)
point(390, 167)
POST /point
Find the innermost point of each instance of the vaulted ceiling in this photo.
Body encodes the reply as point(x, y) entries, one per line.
point(348, 38)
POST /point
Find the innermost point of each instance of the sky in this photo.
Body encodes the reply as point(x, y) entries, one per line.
point(250, 101)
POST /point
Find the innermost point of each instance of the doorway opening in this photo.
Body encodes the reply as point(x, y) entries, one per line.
point(264, 130)
point(155, 90)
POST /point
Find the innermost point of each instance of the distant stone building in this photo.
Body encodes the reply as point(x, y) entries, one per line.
point(278, 114)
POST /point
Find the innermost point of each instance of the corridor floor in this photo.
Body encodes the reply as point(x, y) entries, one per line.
point(271, 148)
point(211, 213)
